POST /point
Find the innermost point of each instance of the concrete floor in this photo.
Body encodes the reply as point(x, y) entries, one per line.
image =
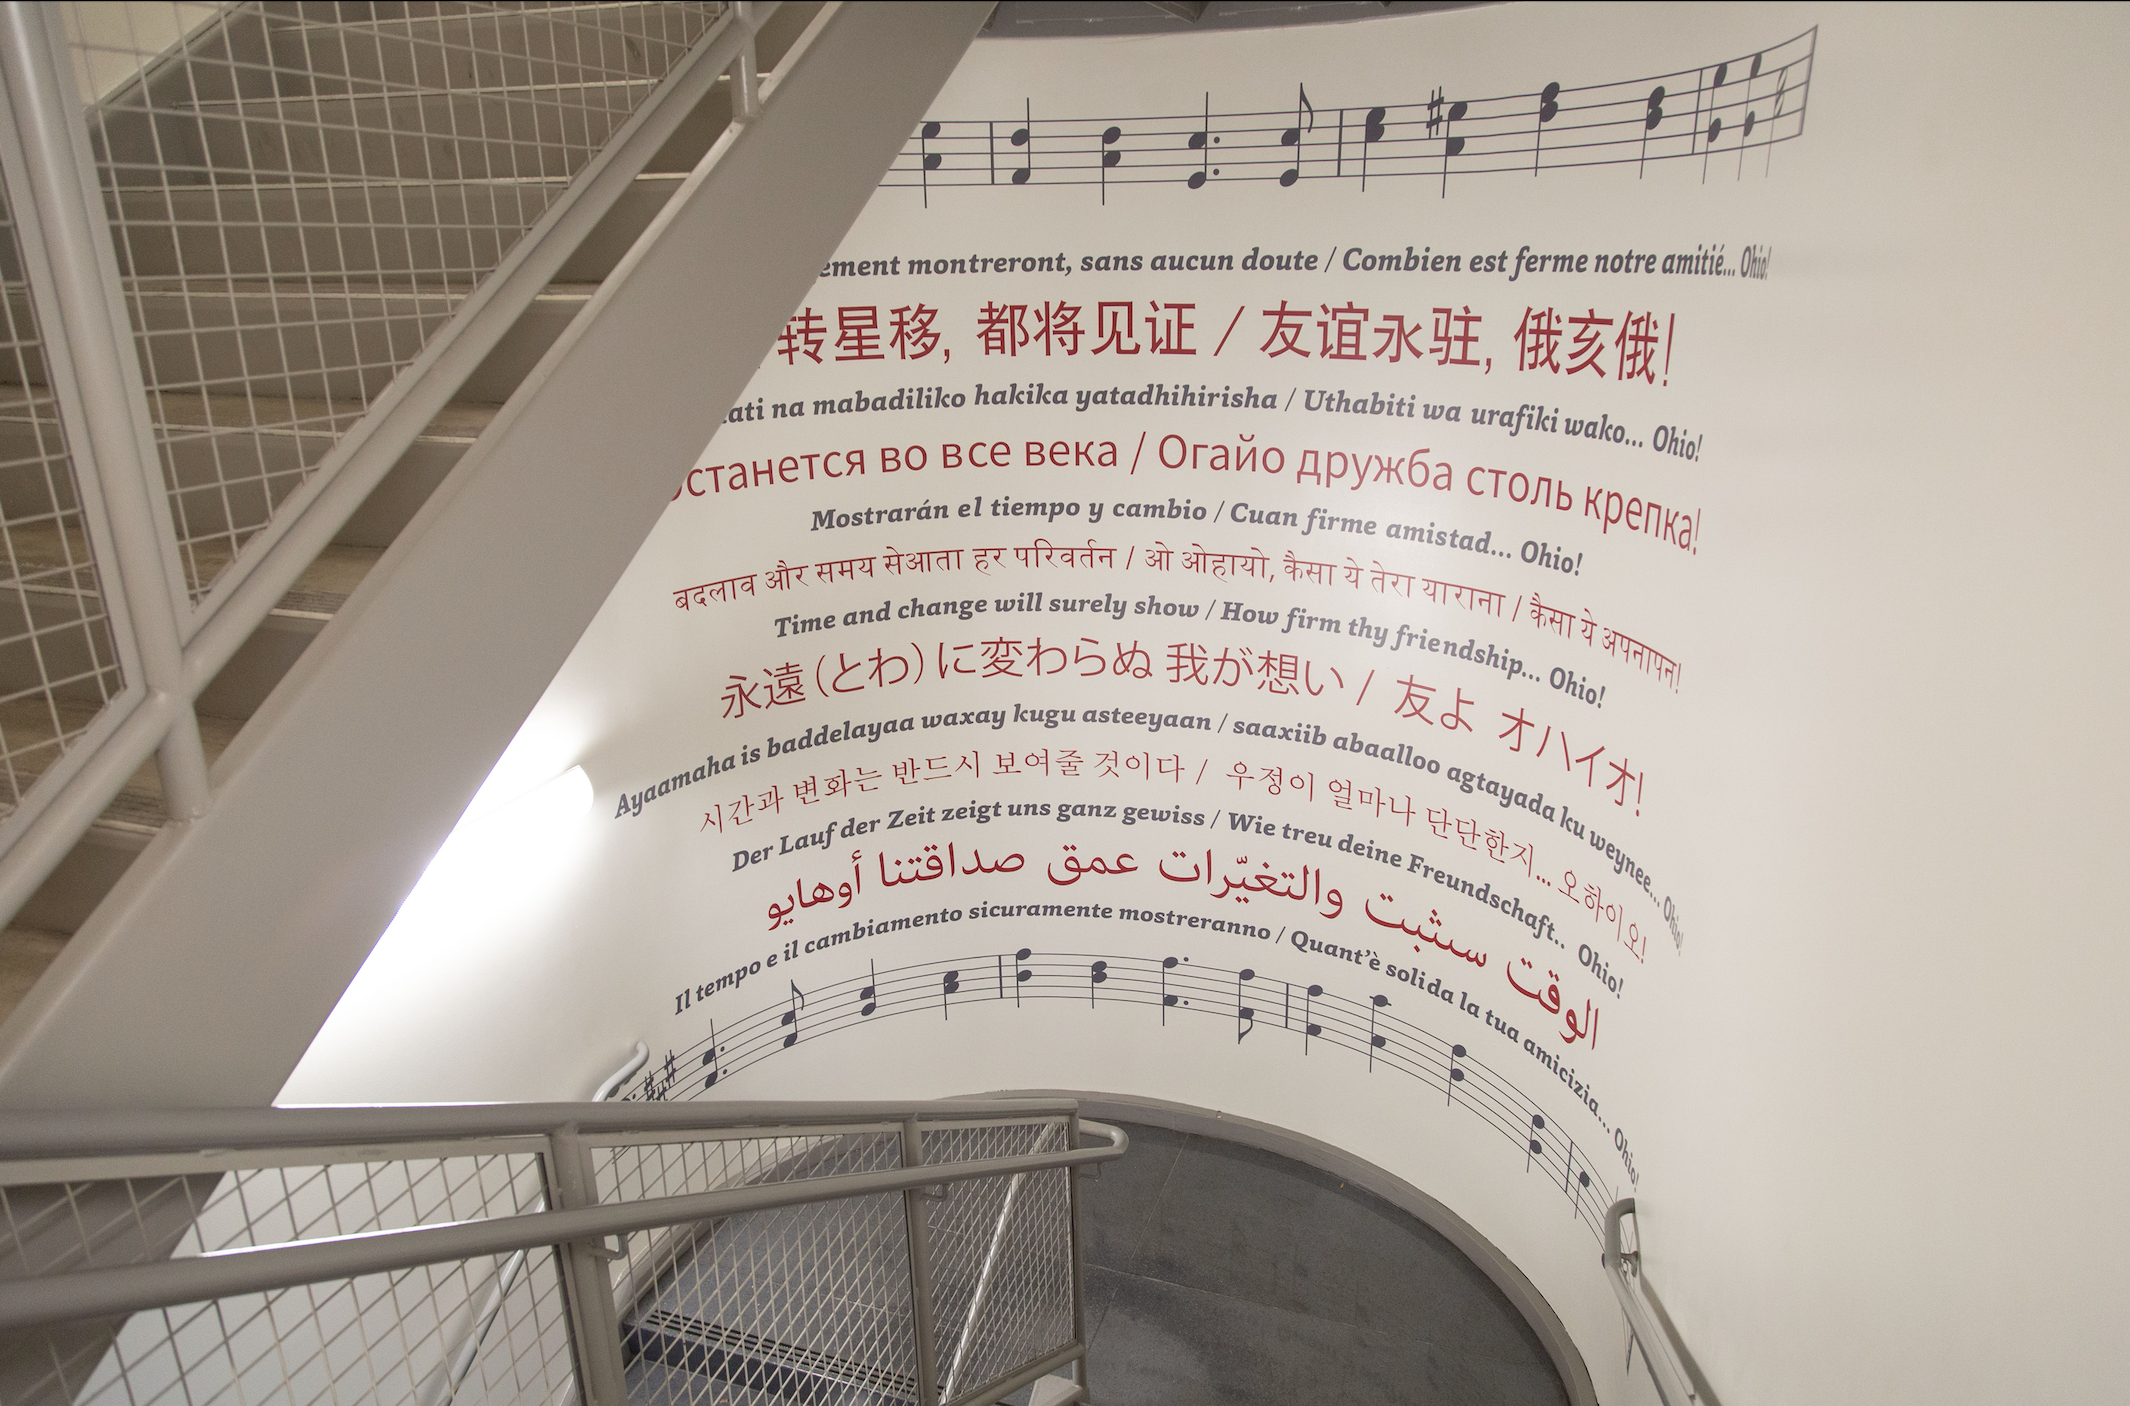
point(1221, 1274)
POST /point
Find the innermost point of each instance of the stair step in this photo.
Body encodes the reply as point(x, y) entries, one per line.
point(24, 954)
point(281, 49)
point(435, 234)
point(212, 438)
point(499, 134)
point(1055, 1390)
point(522, 44)
point(43, 556)
point(261, 341)
point(30, 722)
point(274, 307)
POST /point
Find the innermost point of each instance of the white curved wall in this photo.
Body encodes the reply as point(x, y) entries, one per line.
point(1861, 1079)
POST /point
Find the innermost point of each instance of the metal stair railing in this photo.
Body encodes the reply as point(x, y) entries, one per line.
point(808, 1251)
point(1671, 1367)
point(243, 272)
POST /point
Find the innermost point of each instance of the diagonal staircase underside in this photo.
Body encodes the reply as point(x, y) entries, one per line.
point(443, 583)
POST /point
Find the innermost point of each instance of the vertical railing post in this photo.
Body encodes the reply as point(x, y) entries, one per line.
point(921, 1325)
point(587, 1288)
point(1076, 1231)
point(115, 443)
point(746, 83)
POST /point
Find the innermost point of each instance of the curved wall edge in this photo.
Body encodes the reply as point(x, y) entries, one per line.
point(1325, 1157)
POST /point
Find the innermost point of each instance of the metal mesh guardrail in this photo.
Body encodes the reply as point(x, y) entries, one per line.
point(610, 1253)
point(249, 251)
point(58, 658)
point(301, 194)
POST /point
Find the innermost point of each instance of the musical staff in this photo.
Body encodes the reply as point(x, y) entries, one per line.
point(1693, 113)
point(1368, 1026)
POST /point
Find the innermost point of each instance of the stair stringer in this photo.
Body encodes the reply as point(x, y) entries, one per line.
point(203, 977)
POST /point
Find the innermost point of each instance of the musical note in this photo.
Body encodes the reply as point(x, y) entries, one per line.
point(1398, 1044)
point(1451, 145)
point(1715, 122)
point(1745, 135)
point(931, 159)
point(1618, 122)
point(1548, 108)
point(1293, 135)
point(1201, 142)
point(1024, 136)
point(1782, 83)
point(1650, 118)
point(1371, 133)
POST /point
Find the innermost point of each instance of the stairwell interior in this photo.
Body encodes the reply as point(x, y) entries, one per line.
point(300, 196)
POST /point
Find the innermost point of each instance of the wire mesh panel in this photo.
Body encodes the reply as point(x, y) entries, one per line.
point(638, 1171)
point(1026, 1310)
point(276, 1205)
point(302, 192)
point(1001, 1255)
point(803, 1303)
point(58, 660)
point(457, 1331)
point(808, 1303)
point(321, 1339)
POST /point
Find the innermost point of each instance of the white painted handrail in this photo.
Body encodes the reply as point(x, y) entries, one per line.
point(1669, 1363)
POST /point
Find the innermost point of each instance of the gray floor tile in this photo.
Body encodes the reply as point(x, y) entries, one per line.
point(1101, 1285)
point(1251, 1279)
point(1166, 1345)
point(1246, 1223)
point(1120, 1203)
